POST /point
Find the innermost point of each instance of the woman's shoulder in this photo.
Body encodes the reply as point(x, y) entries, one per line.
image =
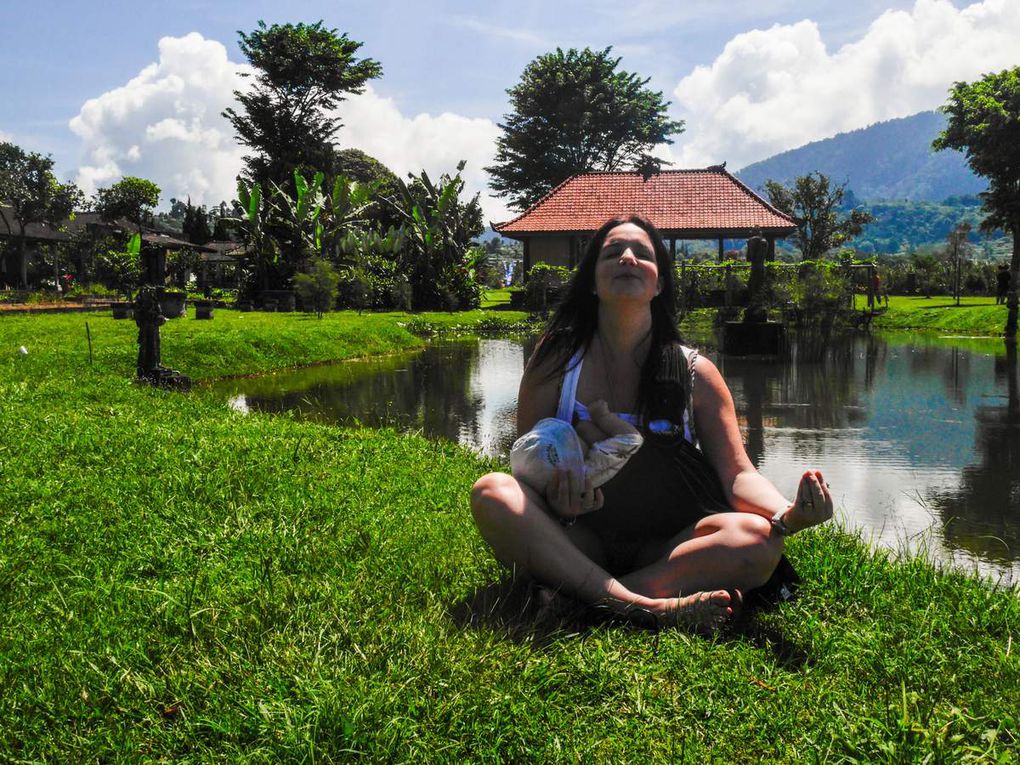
point(551, 357)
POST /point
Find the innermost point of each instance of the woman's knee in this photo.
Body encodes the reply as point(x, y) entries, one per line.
point(763, 548)
point(494, 494)
point(751, 538)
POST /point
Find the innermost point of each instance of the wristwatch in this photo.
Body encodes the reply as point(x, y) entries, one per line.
point(779, 524)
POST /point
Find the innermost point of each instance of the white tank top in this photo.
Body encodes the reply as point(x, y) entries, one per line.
point(569, 405)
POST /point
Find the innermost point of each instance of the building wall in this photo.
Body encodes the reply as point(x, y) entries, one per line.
point(554, 250)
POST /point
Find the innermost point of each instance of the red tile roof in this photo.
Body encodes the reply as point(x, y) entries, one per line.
point(683, 203)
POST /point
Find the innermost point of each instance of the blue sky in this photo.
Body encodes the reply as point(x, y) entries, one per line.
point(136, 88)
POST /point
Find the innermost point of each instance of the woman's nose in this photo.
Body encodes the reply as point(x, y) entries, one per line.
point(627, 256)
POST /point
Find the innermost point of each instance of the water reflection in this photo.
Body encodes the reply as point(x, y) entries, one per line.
point(981, 514)
point(921, 442)
point(464, 390)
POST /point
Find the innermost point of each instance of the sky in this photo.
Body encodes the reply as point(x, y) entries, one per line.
point(137, 88)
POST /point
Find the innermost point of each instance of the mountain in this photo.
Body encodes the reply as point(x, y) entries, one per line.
point(886, 161)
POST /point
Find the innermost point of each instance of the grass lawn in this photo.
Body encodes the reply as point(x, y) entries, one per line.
point(975, 315)
point(182, 582)
point(496, 298)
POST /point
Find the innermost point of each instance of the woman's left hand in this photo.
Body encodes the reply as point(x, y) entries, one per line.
point(813, 504)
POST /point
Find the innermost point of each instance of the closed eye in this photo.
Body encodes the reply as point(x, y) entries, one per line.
point(641, 253)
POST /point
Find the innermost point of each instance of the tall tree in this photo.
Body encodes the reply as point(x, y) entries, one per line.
point(195, 226)
point(359, 166)
point(574, 112)
point(130, 198)
point(984, 123)
point(815, 204)
point(31, 194)
point(302, 73)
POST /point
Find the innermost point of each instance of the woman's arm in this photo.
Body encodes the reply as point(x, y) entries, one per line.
point(538, 397)
point(715, 420)
point(747, 490)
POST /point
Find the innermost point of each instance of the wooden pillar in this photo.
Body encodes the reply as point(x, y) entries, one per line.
point(527, 257)
point(720, 249)
point(772, 248)
point(672, 249)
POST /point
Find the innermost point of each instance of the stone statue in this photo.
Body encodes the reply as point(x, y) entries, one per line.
point(757, 249)
point(149, 318)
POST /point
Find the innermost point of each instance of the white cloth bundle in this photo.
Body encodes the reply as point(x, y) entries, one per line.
point(553, 443)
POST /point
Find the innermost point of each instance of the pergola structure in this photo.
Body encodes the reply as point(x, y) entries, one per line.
point(707, 203)
point(41, 234)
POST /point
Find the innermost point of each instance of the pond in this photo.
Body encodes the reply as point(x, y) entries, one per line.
point(920, 440)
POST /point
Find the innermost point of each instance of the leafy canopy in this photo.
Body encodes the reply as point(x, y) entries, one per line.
point(573, 112)
point(814, 202)
point(984, 123)
point(31, 191)
point(32, 195)
point(303, 71)
point(131, 198)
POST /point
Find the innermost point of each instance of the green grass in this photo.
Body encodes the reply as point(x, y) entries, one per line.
point(496, 298)
point(184, 583)
point(974, 315)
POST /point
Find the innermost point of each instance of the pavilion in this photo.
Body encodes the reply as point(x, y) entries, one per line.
point(707, 203)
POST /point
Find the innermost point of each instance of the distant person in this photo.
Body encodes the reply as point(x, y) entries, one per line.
point(1002, 284)
point(688, 523)
point(875, 290)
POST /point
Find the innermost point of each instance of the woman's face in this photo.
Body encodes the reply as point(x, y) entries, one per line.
point(626, 268)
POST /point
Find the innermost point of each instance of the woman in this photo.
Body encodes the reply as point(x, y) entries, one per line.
point(681, 530)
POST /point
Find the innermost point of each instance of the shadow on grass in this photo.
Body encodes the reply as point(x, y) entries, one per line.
point(954, 305)
point(529, 614)
point(500, 307)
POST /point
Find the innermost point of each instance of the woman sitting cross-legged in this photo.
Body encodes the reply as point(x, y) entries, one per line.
point(688, 523)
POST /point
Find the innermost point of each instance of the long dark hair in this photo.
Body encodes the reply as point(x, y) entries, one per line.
point(575, 320)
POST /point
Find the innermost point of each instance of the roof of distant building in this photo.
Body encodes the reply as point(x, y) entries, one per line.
point(706, 203)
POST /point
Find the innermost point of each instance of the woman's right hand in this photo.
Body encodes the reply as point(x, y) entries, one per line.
point(813, 504)
point(568, 498)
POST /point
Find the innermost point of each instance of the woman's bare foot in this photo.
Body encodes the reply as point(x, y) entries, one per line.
point(703, 611)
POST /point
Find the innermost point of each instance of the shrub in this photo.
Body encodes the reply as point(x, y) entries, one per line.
point(544, 285)
point(90, 290)
point(355, 288)
point(317, 287)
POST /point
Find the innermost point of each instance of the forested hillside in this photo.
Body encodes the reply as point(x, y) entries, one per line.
point(886, 161)
point(900, 226)
point(916, 196)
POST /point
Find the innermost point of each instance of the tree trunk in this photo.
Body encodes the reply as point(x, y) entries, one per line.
point(1014, 284)
point(22, 261)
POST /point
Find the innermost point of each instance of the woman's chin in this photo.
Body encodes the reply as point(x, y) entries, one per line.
point(628, 293)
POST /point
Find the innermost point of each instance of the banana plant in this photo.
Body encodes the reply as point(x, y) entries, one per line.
point(253, 221)
point(438, 232)
point(345, 214)
point(298, 216)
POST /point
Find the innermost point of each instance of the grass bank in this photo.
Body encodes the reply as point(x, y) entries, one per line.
point(233, 343)
point(974, 315)
point(182, 582)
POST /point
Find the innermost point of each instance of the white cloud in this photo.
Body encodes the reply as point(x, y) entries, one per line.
point(374, 124)
point(165, 124)
point(518, 35)
point(776, 89)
